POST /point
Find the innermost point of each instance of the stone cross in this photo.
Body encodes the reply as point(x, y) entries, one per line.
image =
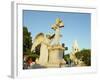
point(56, 27)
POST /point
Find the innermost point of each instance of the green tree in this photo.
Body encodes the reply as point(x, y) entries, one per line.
point(27, 40)
point(67, 58)
point(33, 56)
point(27, 44)
point(85, 56)
point(66, 48)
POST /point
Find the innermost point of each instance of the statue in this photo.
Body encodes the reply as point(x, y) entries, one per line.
point(56, 27)
point(45, 41)
point(75, 48)
point(47, 51)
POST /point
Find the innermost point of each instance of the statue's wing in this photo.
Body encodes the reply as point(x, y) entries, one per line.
point(37, 40)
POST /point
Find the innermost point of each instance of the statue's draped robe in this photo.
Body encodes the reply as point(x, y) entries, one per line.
point(43, 59)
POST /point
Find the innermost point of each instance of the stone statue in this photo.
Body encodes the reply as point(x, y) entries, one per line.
point(75, 48)
point(45, 41)
point(56, 27)
point(51, 52)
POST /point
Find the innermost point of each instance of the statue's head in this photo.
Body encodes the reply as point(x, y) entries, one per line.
point(58, 24)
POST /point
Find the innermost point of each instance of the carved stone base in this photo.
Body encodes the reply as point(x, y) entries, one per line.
point(56, 56)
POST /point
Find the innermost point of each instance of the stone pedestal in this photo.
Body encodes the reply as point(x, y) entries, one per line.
point(55, 58)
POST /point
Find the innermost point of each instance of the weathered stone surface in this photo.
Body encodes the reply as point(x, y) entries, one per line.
point(56, 56)
point(51, 52)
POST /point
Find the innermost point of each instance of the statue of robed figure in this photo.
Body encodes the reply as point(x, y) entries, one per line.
point(47, 41)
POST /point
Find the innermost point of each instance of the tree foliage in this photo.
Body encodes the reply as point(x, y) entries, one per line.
point(67, 58)
point(27, 40)
point(85, 56)
point(33, 56)
point(27, 44)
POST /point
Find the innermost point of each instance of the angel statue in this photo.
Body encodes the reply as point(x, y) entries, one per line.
point(47, 41)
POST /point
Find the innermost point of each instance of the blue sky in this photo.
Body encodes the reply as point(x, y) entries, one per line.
point(77, 26)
